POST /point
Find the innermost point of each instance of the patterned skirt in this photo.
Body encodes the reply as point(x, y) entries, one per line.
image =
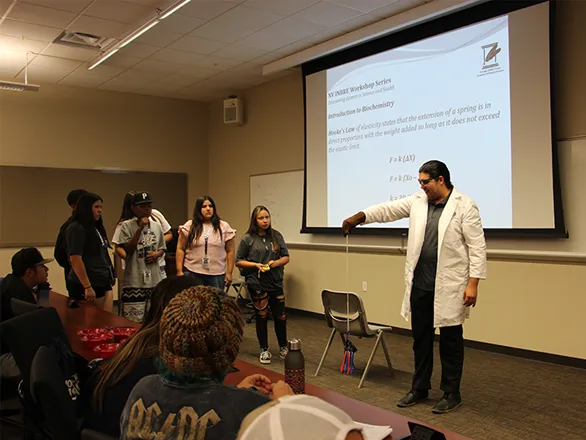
point(135, 302)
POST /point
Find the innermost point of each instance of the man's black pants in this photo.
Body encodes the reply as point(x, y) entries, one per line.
point(451, 345)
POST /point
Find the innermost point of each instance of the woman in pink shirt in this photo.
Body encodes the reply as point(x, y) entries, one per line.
point(206, 248)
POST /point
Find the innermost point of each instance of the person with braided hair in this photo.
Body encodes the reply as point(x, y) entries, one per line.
point(200, 336)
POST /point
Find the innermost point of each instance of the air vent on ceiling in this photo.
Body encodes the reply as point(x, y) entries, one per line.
point(80, 39)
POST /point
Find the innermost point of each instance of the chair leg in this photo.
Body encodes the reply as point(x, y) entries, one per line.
point(370, 359)
point(328, 345)
point(386, 350)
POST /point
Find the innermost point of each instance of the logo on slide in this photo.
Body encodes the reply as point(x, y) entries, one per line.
point(490, 63)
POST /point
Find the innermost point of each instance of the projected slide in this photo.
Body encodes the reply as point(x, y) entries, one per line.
point(447, 97)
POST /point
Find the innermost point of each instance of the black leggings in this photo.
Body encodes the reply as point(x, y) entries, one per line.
point(275, 300)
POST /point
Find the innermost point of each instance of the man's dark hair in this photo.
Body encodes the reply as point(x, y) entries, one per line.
point(74, 196)
point(435, 169)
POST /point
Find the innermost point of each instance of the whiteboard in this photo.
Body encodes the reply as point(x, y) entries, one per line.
point(282, 194)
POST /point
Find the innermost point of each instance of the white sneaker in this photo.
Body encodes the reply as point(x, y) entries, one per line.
point(265, 357)
point(283, 352)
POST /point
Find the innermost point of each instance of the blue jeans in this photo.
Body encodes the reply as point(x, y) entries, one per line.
point(208, 280)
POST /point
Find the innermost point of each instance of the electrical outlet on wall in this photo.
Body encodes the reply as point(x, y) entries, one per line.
point(364, 286)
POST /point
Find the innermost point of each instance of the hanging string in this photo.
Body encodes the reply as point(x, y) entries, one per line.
point(347, 290)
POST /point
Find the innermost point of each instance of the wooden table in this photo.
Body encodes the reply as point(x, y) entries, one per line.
point(87, 316)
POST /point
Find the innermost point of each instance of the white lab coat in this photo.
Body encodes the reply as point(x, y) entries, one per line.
point(461, 250)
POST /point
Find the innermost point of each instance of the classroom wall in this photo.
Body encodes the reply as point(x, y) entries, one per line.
point(534, 306)
point(70, 127)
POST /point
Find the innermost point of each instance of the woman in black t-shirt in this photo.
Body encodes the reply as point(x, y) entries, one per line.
point(261, 255)
point(92, 276)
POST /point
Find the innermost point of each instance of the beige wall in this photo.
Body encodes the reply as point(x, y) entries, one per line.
point(69, 127)
point(534, 306)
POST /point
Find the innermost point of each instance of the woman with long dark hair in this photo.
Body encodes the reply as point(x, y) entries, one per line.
point(262, 254)
point(136, 359)
point(91, 276)
point(206, 246)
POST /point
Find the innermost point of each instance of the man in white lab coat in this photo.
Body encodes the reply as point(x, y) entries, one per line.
point(446, 258)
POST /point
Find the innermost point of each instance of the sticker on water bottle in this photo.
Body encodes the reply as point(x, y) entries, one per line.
point(295, 378)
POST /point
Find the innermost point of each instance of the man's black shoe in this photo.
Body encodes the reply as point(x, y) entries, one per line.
point(449, 402)
point(411, 398)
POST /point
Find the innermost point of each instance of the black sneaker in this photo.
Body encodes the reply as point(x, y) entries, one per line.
point(449, 402)
point(411, 398)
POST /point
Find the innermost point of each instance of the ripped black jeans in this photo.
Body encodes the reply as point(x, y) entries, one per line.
point(275, 301)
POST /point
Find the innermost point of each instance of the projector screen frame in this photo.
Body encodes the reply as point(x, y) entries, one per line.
point(465, 17)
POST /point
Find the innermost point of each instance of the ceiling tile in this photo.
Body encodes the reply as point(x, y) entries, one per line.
point(247, 18)
point(140, 75)
point(70, 52)
point(176, 56)
point(212, 62)
point(397, 7)
point(11, 62)
point(230, 34)
point(239, 52)
point(83, 77)
point(4, 5)
point(180, 80)
point(40, 15)
point(15, 43)
point(326, 14)
point(121, 11)
point(138, 50)
point(181, 24)
point(280, 34)
point(283, 7)
point(196, 45)
point(64, 5)
point(119, 85)
point(363, 5)
point(31, 31)
point(157, 66)
point(208, 9)
point(118, 60)
point(49, 69)
point(162, 4)
point(158, 37)
point(198, 72)
point(100, 27)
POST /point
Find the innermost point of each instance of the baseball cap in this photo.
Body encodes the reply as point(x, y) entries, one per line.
point(27, 258)
point(297, 417)
point(141, 197)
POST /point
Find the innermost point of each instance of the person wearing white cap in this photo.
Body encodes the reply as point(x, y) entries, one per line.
point(299, 417)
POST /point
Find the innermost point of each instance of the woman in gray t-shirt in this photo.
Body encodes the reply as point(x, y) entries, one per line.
point(261, 256)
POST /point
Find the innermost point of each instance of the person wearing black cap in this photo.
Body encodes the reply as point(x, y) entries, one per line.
point(141, 243)
point(28, 271)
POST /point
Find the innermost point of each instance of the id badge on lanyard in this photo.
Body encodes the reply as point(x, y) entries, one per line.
point(205, 261)
point(147, 275)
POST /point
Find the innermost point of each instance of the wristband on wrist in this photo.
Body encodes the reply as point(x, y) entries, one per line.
point(88, 287)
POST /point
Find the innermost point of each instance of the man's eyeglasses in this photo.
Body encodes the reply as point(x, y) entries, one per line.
point(424, 181)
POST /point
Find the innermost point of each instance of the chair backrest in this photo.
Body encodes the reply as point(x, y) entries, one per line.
point(21, 307)
point(26, 333)
point(341, 307)
point(51, 396)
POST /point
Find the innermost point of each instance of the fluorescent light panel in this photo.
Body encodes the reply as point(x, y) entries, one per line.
point(144, 28)
point(103, 58)
point(172, 9)
point(134, 36)
point(18, 87)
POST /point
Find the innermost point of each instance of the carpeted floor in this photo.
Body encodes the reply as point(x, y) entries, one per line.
point(504, 397)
